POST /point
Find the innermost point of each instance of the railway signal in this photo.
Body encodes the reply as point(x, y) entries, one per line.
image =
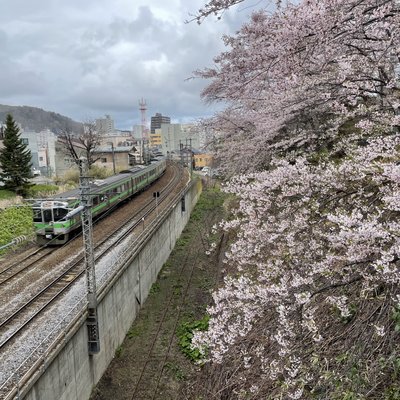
point(156, 195)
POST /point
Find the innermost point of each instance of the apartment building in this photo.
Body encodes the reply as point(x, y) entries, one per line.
point(174, 137)
point(157, 120)
point(105, 126)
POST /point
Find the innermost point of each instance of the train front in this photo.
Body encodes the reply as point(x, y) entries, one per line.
point(52, 222)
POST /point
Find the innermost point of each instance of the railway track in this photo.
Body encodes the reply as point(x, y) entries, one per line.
point(57, 286)
point(31, 260)
point(149, 382)
point(13, 325)
point(39, 302)
point(153, 381)
point(14, 270)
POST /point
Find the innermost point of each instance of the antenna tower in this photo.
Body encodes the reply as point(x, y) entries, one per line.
point(143, 109)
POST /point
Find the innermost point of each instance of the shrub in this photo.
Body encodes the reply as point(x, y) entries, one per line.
point(15, 221)
point(185, 335)
point(100, 172)
point(42, 190)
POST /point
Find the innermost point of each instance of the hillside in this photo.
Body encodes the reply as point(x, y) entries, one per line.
point(36, 119)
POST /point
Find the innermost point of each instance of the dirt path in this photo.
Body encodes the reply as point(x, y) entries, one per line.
point(149, 363)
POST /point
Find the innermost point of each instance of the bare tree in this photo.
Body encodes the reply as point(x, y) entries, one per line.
point(82, 144)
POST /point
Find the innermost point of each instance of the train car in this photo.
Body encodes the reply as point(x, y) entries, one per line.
point(57, 218)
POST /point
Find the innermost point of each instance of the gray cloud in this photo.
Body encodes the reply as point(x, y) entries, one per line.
point(85, 59)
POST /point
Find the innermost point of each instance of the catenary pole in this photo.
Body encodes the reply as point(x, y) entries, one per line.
point(87, 230)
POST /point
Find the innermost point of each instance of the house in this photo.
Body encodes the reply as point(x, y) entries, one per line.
point(115, 158)
point(202, 160)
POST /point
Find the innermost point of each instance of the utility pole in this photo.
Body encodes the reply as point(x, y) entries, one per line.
point(113, 156)
point(87, 230)
point(190, 155)
point(181, 152)
point(186, 153)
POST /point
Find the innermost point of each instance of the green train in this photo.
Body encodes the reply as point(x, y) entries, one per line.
point(57, 218)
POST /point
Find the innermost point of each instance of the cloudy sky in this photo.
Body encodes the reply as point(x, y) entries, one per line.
point(84, 59)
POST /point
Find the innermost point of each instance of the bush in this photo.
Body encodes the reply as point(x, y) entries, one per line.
point(41, 190)
point(71, 177)
point(185, 336)
point(15, 221)
point(100, 172)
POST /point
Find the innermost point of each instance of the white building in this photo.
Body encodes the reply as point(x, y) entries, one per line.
point(174, 137)
point(43, 150)
point(105, 125)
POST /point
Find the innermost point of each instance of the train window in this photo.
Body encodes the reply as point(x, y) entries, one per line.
point(59, 213)
point(95, 200)
point(47, 216)
point(183, 205)
point(37, 215)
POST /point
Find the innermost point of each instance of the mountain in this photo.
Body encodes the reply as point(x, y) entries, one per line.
point(36, 119)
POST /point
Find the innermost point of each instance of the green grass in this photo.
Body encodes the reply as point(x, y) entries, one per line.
point(118, 352)
point(155, 288)
point(176, 370)
point(208, 201)
point(6, 194)
point(14, 222)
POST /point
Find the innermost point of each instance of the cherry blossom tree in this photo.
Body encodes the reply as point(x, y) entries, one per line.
point(316, 261)
point(310, 305)
point(294, 79)
point(214, 7)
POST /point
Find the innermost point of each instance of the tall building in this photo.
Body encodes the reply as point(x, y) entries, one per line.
point(105, 125)
point(157, 120)
point(175, 135)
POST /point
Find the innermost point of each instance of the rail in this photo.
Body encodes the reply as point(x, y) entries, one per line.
point(70, 323)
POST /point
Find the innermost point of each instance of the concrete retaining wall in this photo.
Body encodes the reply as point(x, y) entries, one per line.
point(73, 373)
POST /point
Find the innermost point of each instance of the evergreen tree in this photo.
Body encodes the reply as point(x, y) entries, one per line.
point(15, 158)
